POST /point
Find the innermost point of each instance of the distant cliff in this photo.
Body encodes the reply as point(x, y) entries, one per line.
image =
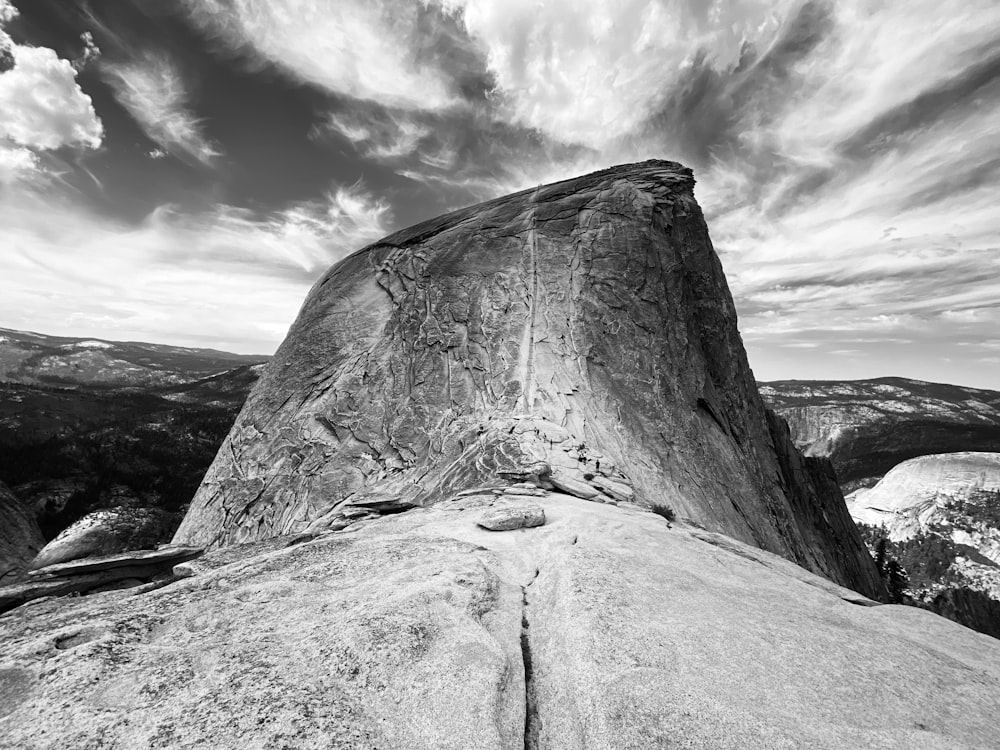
point(941, 517)
point(580, 335)
point(89, 424)
point(20, 537)
point(868, 426)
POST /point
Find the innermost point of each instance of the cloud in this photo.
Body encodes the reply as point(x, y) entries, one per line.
point(397, 53)
point(152, 89)
point(43, 106)
point(466, 156)
point(16, 164)
point(591, 72)
point(224, 277)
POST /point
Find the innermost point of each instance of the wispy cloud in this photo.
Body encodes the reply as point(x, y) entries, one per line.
point(152, 89)
point(43, 106)
point(224, 276)
point(397, 53)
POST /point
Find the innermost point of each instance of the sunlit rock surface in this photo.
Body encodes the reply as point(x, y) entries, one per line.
point(603, 628)
point(579, 335)
point(865, 427)
point(105, 532)
point(919, 493)
point(955, 496)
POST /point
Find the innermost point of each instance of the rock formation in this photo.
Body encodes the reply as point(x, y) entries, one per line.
point(106, 532)
point(123, 570)
point(603, 628)
point(941, 515)
point(580, 336)
point(865, 427)
point(20, 537)
point(921, 492)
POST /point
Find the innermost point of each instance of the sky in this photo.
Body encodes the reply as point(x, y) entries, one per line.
point(181, 171)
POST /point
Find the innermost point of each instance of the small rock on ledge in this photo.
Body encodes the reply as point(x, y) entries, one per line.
point(510, 517)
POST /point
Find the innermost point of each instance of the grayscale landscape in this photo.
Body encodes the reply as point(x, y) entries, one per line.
point(464, 374)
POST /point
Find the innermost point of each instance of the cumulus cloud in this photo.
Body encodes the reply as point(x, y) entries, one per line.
point(43, 106)
point(152, 89)
point(224, 277)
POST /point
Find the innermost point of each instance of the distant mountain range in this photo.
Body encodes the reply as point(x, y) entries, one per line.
point(37, 359)
point(90, 423)
point(866, 427)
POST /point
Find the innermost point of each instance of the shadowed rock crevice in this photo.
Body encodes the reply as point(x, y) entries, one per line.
point(532, 720)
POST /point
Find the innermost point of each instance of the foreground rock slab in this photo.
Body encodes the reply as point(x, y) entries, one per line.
point(414, 630)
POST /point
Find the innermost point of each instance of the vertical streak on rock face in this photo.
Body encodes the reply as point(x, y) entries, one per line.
point(580, 323)
point(528, 344)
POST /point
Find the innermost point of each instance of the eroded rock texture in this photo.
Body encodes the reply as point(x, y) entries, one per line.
point(579, 335)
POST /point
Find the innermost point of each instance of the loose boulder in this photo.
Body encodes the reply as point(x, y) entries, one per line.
point(509, 517)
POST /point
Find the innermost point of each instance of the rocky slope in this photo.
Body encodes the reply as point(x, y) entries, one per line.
point(580, 335)
point(945, 507)
point(868, 426)
point(603, 628)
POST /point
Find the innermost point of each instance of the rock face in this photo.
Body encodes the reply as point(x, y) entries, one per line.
point(579, 335)
point(917, 494)
point(106, 532)
point(943, 513)
point(20, 537)
point(604, 628)
point(969, 607)
point(868, 426)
